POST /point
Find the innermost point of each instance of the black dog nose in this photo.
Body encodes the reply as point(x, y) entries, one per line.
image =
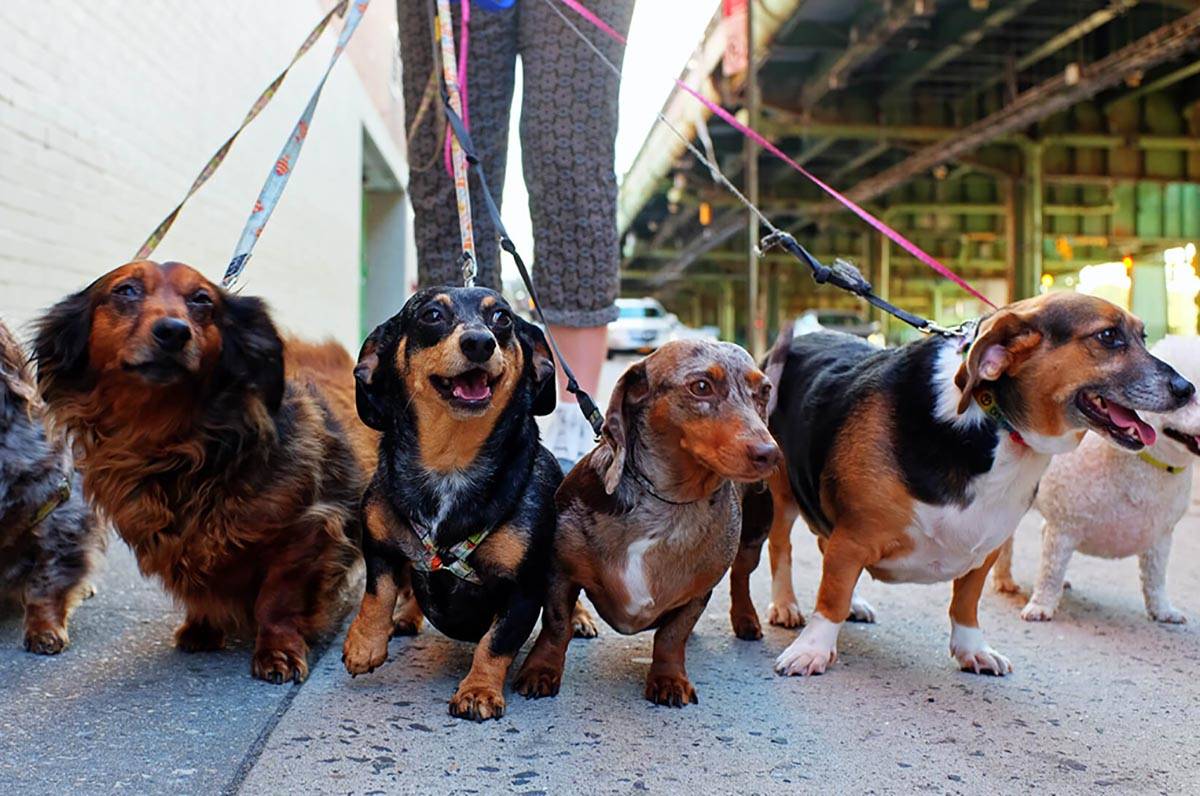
point(1181, 388)
point(764, 455)
point(477, 346)
point(171, 334)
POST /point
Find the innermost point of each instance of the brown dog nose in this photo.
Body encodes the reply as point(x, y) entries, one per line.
point(171, 334)
point(477, 346)
point(764, 455)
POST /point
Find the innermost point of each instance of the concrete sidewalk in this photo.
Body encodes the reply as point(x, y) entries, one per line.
point(1101, 698)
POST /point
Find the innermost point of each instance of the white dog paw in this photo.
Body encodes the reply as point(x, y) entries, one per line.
point(804, 659)
point(974, 654)
point(861, 610)
point(1035, 612)
point(1168, 615)
point(813, 651)
point(785, 615)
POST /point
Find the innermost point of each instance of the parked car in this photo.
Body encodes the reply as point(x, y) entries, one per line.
point(642, 326)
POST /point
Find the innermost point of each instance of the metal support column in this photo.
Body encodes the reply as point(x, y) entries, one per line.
point(755, 323)
point(727, 312)
point(1029, 275)
point(1012, 238)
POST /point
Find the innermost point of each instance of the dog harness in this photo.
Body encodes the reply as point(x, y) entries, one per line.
point(453, 560)
point(60, 496)
point(987, 402)
point(1159, 463)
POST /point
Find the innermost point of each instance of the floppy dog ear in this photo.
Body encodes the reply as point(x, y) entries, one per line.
point(1004, 342)
point(251, 350)
point(631, 390)
point(61, 346)
point(545, 389)
point(369, 380)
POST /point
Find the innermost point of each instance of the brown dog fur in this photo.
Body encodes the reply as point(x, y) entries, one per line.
point(232, 467)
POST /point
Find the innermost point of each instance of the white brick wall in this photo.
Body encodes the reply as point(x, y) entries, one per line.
point(109, 108)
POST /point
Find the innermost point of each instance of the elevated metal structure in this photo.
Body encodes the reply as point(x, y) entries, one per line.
point(1009, 138)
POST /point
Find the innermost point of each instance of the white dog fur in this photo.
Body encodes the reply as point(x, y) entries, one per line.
point(1105, 501)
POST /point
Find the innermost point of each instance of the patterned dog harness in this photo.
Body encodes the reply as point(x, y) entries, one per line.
point(453, 560)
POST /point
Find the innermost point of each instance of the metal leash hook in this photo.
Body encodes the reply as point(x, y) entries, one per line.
point(469, 271)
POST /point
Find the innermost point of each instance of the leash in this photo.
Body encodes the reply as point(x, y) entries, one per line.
point(1149, 459)
point(453, 100)
point(454, 559)
point(61, 495)
point(843, 274)
point(281, 171)
point(263, 100)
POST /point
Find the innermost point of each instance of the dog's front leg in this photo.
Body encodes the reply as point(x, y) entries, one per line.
point(480, 695)
point(541, 674)
point(1153, 567)
point(280, 649)
point(966, 639)
point(1002, 579)
point(1057, 548)
point(784, 610)
point(388, 574)
point(668, 683)
point(756, 524)
point(815, 649)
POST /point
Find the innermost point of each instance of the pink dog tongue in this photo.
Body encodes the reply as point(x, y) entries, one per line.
point(1127, 419)
point(473, 386)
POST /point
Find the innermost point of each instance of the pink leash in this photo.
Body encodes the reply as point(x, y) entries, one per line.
point(883, 228)
point(464, 36)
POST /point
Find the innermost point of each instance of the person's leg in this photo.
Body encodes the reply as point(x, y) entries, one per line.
point(490, 73)
point(568, 133)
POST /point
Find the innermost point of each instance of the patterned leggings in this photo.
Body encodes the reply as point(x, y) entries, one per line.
point(568, 127)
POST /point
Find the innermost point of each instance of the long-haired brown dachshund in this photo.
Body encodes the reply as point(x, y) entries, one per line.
point(230, 462)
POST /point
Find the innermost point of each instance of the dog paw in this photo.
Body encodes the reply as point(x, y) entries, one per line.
point(861, 611)
point(671, 690)
point(785, 615)
point(984, 660)
point(198, 636)
point(805, 658)
point(87, 590)
point(973, 653)
point(537, 681)
point(583, 624)
point(477, 703)
point(746, 626)
point(362, 654)
point(1005, 585)
point(1168, 615)
point(46, 641)
point(1036, 612)
point(279, 666)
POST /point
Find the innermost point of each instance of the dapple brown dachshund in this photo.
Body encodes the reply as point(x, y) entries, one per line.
point(649, 521)
point(229, 460)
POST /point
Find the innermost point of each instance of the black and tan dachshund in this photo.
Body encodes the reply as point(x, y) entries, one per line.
point(460, 516)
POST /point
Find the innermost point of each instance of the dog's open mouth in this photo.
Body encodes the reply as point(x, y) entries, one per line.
point(1120, 423)
point(469, 390)
point(1189, 441)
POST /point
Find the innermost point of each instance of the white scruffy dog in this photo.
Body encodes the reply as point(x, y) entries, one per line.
point(1106, 501)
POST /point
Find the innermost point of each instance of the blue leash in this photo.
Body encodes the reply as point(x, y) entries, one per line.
point(277, 179)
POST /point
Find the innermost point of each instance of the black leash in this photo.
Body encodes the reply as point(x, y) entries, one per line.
point(586, 404)
point(845, 275)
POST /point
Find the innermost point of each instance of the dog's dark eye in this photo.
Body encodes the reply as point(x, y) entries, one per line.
point(128, 290)
point(432, 316)
point(501, 319)
point(764, 394)
point(200, 299)
point(1111, 338)
point(701, 388)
